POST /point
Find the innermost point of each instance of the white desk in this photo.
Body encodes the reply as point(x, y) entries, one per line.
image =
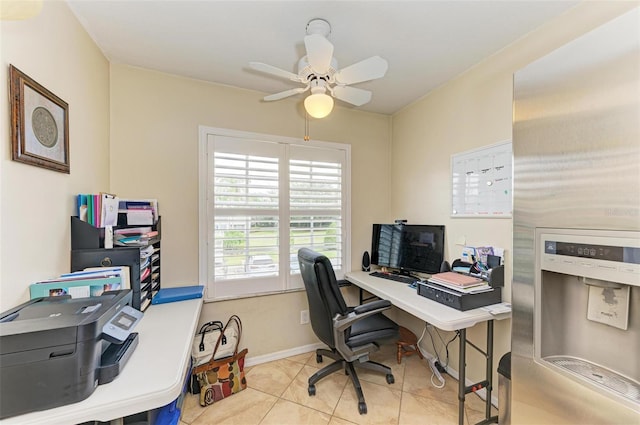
point(153, 376)
point(442, 317)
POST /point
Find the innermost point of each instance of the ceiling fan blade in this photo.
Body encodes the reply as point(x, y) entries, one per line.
point(368, 69)
point(319, 53)
point(286, 93)
point(355, 96)
point(263, 67)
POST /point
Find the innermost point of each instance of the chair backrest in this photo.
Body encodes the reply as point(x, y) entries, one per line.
point(323, 293)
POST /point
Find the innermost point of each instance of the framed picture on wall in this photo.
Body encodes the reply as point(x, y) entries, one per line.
point(39, 124)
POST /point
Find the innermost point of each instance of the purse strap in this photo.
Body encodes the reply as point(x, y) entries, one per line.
point(214, 325)
point(235, 320)
point(212, 364)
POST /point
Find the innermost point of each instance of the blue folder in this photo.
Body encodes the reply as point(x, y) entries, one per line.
point(169, 295)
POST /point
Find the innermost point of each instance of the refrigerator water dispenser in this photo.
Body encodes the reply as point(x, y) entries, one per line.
point(588, 301)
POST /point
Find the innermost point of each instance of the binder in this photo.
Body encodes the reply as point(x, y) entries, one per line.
point(109, 210)
point(168, 295)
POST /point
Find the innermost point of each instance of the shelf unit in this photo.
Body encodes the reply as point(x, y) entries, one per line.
point(87, 250)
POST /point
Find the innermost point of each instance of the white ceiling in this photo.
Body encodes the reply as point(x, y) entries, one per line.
point(425, 42)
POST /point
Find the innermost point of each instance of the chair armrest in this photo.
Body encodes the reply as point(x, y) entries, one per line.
point(342, 322)
point(343, 282)
point(372, 306)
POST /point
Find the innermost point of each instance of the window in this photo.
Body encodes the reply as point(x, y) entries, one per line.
point(261, 199)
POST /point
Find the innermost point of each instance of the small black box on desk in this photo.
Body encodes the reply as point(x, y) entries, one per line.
point(458, 300)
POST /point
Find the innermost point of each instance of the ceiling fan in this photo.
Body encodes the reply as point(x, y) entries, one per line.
point(319, 72)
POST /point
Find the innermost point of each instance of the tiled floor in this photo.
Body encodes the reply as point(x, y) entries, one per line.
point(276, 394)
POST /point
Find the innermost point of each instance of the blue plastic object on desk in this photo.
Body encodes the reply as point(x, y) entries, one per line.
point(168, 295)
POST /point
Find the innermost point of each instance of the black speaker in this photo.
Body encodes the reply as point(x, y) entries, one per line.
point(445, 267)
point(366, 262)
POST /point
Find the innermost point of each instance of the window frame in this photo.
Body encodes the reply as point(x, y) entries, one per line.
point(287, 281)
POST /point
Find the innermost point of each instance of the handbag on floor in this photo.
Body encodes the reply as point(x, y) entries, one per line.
point(221, 378)
point(205, 341)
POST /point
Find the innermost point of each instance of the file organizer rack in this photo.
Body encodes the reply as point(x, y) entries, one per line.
point(87, 250)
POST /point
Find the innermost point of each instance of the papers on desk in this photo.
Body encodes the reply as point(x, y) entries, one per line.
point(461, 283)
point(499, 308)
point(457, 279)
point(90, 282)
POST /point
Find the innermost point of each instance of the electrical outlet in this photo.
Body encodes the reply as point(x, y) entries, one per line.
point(304, 317)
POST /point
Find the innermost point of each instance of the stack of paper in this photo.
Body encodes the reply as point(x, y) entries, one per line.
point(460, 282)
point(499, 308)
point(134, 236)
point(456, 279)
point(82, 284)
point(139, 211)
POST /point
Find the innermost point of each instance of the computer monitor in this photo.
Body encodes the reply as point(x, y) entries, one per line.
point(408, 247)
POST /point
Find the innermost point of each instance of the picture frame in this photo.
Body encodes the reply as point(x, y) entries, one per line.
point(39, 124)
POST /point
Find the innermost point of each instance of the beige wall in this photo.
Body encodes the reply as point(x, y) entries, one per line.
point(154, 146)
point(54, 50)
point(469, 112)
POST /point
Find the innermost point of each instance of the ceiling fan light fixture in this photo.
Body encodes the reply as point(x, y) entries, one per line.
point(318, 71)
point(318, 105)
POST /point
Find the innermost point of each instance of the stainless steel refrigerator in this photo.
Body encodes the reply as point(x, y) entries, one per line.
point(576, 272)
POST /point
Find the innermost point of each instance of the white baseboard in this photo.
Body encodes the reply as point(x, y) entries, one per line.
point(252, 361)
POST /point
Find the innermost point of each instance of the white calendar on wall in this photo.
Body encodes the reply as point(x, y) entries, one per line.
point(482, 182)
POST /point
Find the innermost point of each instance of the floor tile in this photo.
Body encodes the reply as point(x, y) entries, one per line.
point(191, 408)
point(387, 357)
point(273, 377)
point(285, 412)
point(248, 407)
point(312, 361)
point(388, 353)
point(475, 402)
point(337, 421)
point(475, 408)
point(328, 390)
point(383, 404)
point(419, 381)
point(422, 410)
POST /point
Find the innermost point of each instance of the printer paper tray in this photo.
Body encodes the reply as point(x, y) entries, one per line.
point(115, 357)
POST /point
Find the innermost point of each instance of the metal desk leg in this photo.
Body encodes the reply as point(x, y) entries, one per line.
point(489, 368)
point(463, 390)
point(462, 375)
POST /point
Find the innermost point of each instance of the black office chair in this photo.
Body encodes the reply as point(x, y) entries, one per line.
point(351, 333)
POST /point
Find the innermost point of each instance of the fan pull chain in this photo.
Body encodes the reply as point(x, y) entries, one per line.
point(306, 127)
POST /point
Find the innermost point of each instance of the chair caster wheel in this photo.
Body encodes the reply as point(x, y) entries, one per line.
point(318, 358)
point(390, 379)
point(312, 390)
point(362, 408)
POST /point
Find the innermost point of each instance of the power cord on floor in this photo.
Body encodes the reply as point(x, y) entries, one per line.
point(441, 368)
point(440, 378)
point(433, 362)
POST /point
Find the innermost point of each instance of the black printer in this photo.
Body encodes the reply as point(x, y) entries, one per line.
point(56, 350)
